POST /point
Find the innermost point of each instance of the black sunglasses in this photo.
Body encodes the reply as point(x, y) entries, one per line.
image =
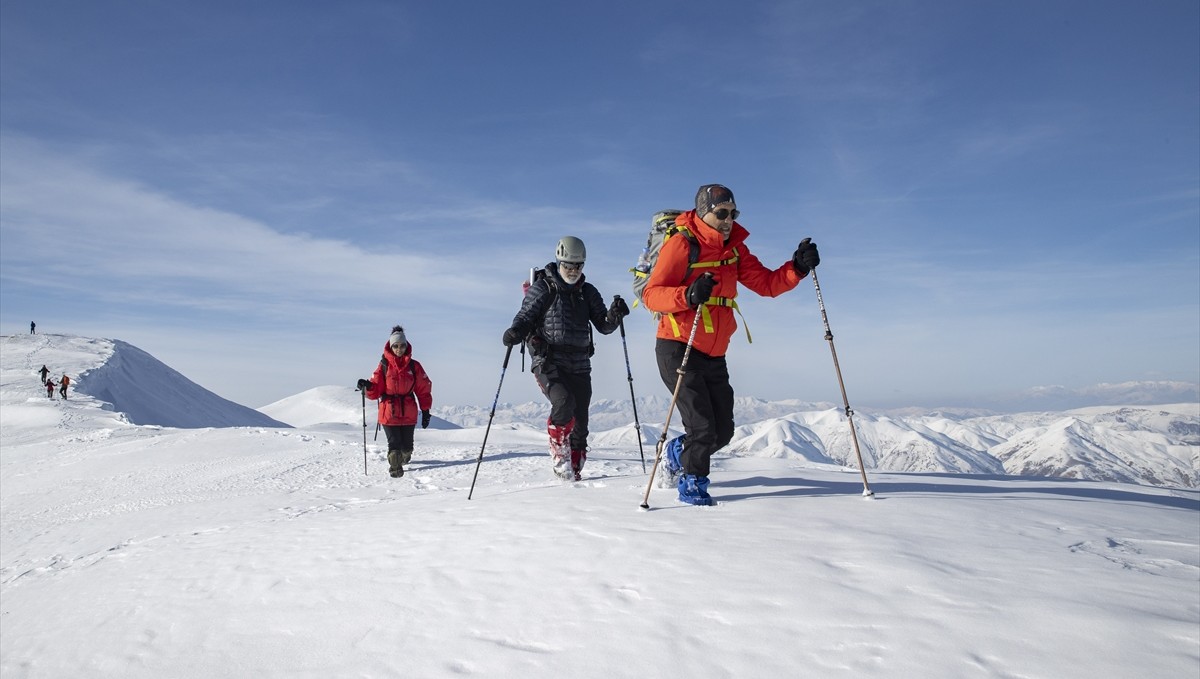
point(725, 213)
point(570, 266)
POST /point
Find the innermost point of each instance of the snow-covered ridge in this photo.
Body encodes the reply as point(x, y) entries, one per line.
point(332, 405)
point(124, 379)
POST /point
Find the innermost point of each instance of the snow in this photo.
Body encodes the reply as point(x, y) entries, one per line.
point(137, 550)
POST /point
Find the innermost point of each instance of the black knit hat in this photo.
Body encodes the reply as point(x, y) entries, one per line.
point(710, 195)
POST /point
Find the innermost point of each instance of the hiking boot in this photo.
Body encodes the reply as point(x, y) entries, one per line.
point(671, 467)
point(562, 467)
point(694, 490)
point(578, 459)
point(559, 452)
point(405, 456)
point(395, 464)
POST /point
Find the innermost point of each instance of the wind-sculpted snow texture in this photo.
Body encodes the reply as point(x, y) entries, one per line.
point(144, 551)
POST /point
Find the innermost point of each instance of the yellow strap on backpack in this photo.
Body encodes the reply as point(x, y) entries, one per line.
point(706, 317)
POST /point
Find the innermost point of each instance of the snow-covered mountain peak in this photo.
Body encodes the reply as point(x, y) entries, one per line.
point(121, 378)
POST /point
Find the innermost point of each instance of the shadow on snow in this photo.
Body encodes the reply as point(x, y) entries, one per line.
point(801, 487)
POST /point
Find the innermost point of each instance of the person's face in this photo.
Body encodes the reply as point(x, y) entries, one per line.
point(570, 271)
point(399, 347)
point(723, 224)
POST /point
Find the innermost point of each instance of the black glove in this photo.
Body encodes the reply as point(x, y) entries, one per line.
point(364, 385)
point(512, 337)
point(425, 419)
point(805, 258)
point(617, 310)
point(700, 290)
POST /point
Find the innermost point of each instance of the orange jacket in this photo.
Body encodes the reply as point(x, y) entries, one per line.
point(666, 291)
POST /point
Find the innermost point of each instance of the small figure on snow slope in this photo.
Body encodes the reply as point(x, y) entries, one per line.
point(679, 289)
point(555, 322)
point(63, 384)
point(403, 391)
point(50, 389)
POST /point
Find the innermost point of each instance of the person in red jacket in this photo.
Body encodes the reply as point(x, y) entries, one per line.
point(404, 391)
point(698, 273)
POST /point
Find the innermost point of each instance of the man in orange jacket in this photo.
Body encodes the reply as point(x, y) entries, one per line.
point(679, 288)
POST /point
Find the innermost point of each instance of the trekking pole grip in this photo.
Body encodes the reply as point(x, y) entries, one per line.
point(621, 322)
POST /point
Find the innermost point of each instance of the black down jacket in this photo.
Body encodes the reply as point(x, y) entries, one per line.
point(555, 317)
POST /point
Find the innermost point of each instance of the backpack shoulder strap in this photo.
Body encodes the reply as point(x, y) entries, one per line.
point(694, 253)
point(553, 293)
point(693, 246)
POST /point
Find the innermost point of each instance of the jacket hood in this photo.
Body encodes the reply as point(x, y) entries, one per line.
point(708, 235)
point(387, 349)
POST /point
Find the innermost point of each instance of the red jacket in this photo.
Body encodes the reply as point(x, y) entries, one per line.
point(666, 291)
point(401, 386)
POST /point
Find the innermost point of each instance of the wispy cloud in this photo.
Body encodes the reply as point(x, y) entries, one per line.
point(68, 226)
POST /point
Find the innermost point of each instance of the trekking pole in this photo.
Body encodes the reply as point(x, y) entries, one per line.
point(867, 492)
point(632, 399)
point(364, 401)
point(662, 440)
point(479, 460)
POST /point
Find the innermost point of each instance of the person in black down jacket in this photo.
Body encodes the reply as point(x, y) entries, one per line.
point(555, 322)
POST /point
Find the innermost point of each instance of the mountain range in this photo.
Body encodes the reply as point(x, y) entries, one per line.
point(1157, 445)
point(1130, 443)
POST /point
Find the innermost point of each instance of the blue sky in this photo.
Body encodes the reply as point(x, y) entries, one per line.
point(1005, 195)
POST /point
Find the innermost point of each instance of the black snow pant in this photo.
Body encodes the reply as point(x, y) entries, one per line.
point(705, 401)
point(570, 395)
point(400, 437)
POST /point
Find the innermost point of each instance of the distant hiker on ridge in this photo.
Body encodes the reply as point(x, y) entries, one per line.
point(44, 371)
point(32, 328)
point(554, 322)
point(63, 385)
point(402, 388)
point(698, 291)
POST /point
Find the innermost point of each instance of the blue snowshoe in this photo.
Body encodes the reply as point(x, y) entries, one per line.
point(694, 490)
